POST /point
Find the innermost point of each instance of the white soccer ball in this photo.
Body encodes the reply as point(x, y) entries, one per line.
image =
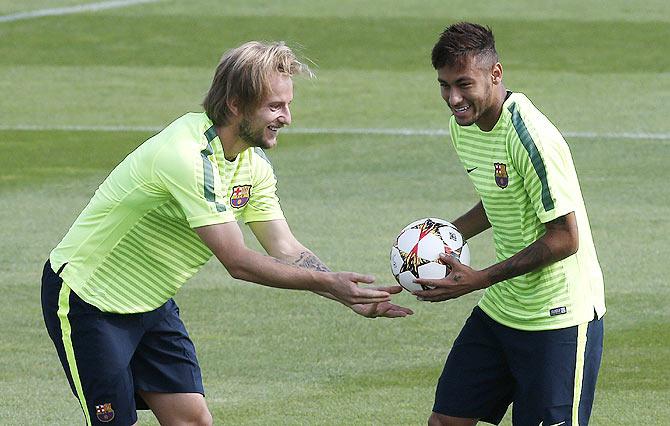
point(416, 251)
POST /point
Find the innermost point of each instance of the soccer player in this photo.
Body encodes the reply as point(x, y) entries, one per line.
point(535, 339)
point(158, 217)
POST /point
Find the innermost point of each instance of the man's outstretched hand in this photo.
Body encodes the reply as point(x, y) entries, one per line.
point(383, 309)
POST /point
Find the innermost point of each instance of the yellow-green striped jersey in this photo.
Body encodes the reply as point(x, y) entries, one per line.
point(523, 171)
point(133, 246)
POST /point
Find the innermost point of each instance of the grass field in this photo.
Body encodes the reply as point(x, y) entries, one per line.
point(80, 91)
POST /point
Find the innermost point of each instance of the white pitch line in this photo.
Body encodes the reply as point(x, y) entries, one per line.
point(334, 131)
point(91, 7)
point(77, 128)
point(444, 132)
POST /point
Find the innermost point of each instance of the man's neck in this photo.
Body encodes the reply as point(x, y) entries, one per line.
point(230, 141)
point(492, 118)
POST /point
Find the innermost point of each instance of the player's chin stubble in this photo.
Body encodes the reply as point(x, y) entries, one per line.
point(248, 135)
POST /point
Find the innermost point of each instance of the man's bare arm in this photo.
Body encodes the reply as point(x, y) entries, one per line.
point(560, 240)
point(278, 240)
point(473, 222)
point(226, 242)
point(308, 260)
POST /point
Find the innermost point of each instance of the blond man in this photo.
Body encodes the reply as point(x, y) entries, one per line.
point(160, 215)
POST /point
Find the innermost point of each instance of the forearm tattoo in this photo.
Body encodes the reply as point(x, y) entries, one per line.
point(532, 257)
point(308, 260)
point(561, 220)
point(552, 247)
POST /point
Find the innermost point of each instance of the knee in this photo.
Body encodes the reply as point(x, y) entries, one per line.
point(437, 419)
point(434, 420)
point(208, 421)
point(204, 418)
point(199, 417)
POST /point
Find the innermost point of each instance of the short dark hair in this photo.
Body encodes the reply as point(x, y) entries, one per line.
point(459, 41)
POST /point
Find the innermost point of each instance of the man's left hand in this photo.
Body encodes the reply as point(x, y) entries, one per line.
point(461, 280)
point(383, 309)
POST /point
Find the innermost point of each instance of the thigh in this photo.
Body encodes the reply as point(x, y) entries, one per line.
point(165, 360)
point(95, 349)
point(556, 371)
point(476, 381)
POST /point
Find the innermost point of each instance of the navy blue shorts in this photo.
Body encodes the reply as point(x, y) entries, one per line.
point(108, 357)
point(549, 376)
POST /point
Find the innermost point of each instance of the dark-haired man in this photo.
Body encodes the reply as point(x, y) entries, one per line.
point(535, 338)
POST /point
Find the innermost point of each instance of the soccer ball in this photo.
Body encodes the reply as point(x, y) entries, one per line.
point(416, 251)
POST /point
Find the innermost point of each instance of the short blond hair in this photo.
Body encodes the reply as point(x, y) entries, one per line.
point(243, 76)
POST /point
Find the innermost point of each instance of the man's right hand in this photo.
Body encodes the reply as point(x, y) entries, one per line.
point(345, 288)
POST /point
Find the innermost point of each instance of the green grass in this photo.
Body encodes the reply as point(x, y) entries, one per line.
point(280, 357)
point(105, 39)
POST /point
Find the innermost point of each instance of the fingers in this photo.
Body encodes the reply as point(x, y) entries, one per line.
point(437, 294)
point(369, 295)
point(431, 282)
point(431, 296)
point(390, 310)
point(392, 313)
point(406, 311)
point(360, 278)
point(365, 295)
point(393, 289)
point(448, 259)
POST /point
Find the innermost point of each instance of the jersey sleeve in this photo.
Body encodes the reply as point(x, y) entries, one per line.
point(263, 202)
point(542, 157)
point(191, 176)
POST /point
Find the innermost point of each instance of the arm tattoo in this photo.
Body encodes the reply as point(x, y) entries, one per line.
point(561, 220)
point(532, 257)
point(308, 260)
point(560, 241)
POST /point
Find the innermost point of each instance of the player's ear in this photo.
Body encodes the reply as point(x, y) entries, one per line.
point(497, 73)
point(233, 106)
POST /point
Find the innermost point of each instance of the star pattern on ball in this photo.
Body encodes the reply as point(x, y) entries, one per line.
point(411, 259)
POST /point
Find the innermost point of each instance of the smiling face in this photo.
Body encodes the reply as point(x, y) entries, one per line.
point(260, 128)
point(473, 90)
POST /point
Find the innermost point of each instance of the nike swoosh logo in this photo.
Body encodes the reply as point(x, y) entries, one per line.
point(471, 170)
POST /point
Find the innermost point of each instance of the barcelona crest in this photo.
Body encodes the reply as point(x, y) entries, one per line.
point(240, 196)
point(502, 178)
point(104, 412)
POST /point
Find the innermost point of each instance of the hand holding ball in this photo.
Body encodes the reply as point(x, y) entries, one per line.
point(417, 249)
